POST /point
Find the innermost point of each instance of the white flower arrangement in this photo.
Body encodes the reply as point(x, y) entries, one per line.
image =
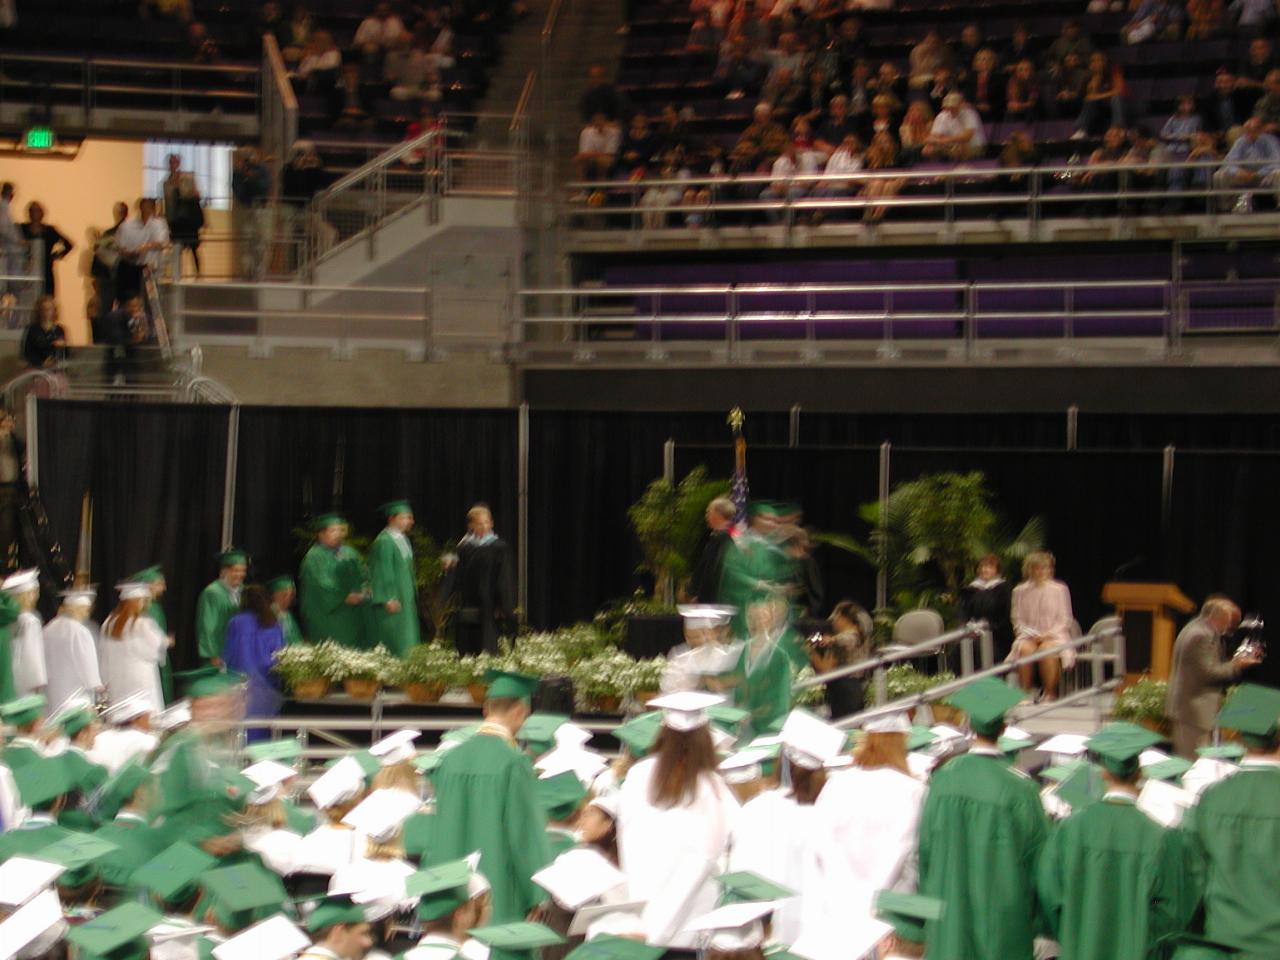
point(298, 663)
point(809, 696)
point(434, 662)
point(345, 663)
point(607, 674)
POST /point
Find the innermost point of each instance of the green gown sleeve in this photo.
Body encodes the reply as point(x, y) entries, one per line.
point(211, 622)
point(8, 614)
point(1049, 886)
point(382, 569)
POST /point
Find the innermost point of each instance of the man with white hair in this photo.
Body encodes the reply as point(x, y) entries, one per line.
point(956, 133)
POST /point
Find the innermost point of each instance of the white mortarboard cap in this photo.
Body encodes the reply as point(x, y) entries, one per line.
point(174, 715)
point(278, 849)
point(382, 812)
point(134, 591)
point(608, 802)
point(40, 914)
point(809, 742)
point(473, 949)
point(176, 940)
point(920, 764)
point(609, 919)
point(733, 927)
point(722, 740)
point(584, 764)
point(1207, 771)
point(1164, 803)
point(577, 877)
point(21, 878)
point(396, 747)
point(338, 784)
point(75, 701)
point(944, 731)
point(570, 735)
point(1067, 744)
point(477, 883)
point(838, 763)
point(22, 581)
point(896, 722)
point(325, 850)
point(371, 881)
point(743, 767)
point(84, 596)
point(702, 616)
point(268, 775)
point(858, 936)
point(131, 707)
point(686, 710)
point(276, 938)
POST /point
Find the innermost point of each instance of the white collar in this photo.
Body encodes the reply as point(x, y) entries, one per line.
point(1256, 761)
point(319, 949)
point(982, 750)
point(980, 584)
point(1124, 796)
point(131, 817)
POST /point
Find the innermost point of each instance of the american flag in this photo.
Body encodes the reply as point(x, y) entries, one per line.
point(740, 490)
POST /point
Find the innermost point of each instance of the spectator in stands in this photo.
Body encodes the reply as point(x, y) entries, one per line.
point(861, 90)
point(815, 96)
point(985, 85)
point(250, 187)
point(1041, 615)
point(760, 143)
point(736, 70)
point(671, 134)
point(1019, 151)
point(884, 113)
point(44, 344)
point(889, 82)
point(926, 58)
point(1204, 149)
point(598, 145)
point(303, 177)
point(1153, 19)
point(1145, 155)
point(44, 241)
point(1022, 94)
point(168, 9)
point(13, 249)
point(142, 243)
point(1103, 96)
point(1115, 144)
point(270, 19)
point(782, 188)
point(1070, 80)
point(702, 36)
point(405, 67)
point(1180, 130)
point(320, 65)
point(944, 82)
point(639, 147)
point(916, 127)
point(965, 50)
point(297, 35)
point(696, 197)
point(845, 160)
point(1224, 109)
point(882, 155)
point(1268, 106)
point(781, 90)
point(1205, 18)
point(788, 55)
point(667, 194)
point(808, 155)
point(1018, 48)
point(956, 133)
point(1252, 161)
point(350, 101)
point(122, 331)
point(1070, 40)
point(201, 48)
point(600, 97)
point(1255, 66)
point(376, 35)
point(106, 255)
point(1253, 16)
point(835, 126)
point(849, 46)
point(182, 210)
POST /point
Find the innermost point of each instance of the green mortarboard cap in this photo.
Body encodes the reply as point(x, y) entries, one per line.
point(286, 749)
point(639, 733)
point(209, 681)
point(121, 785)
point(561, 794)
point(907, 912)
point(282, 582)
point(232, 557)
point(442, 889)
point(727, 717)
point(1117, 747)
point(239, 893)
point(1083, 786)
point(540, 729)
point(1254, 710)
point(743, 886)
point(77, 850)
point(111, 932)
point(427, 763)
point(609, 947)
point(1170, 769)
point(331, 911)
point(1013, 744)
point(416, 833)
point(1223, 751)
point(509, 685)
point(986, 701)
point(920, 737)
point(74, 720)
point(328, 520)
point(1063, 770)
point(171, 875)
point(460, 734)
point(392, 507)
point(24, 710)
point(44, 779)
point(517, 936)
point(148, 575)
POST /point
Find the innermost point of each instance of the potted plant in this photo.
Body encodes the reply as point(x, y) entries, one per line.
point(641, 680)
point(300, 668)
point(809, 696)
point(427, 672)
point(904, 680)
point(597, 681)
point(362, 672)
point(471, 672)
point(1143, 703)
point(668, 521)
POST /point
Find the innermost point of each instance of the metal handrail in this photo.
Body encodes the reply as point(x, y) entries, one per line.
point(10, 390)
point(970, 631)
point(522, 104)
point(844, 287)
point(247, 67)
point(379, 163)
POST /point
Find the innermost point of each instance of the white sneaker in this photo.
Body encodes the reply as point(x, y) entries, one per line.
point(1079, 135)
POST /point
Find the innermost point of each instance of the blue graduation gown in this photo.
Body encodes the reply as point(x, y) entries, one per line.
point(250, 650)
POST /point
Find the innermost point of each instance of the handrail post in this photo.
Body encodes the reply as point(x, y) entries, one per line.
point(880, 684)
point(966, 655)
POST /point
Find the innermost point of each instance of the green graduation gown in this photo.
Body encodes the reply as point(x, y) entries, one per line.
point(1113, 883)
point(391, 577)
point(214, 611)
point(137, 844)
point(8, 614)
point(289, 626)
point(981, 831)
point(1236, 825)
point(156, 613)
point(324, 581)
point(751, 568)
point(486, 801)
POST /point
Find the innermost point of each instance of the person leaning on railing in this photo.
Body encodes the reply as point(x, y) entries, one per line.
point(841, 641)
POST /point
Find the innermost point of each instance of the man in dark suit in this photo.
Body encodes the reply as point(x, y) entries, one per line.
point(704, 580)
point(480, 578)
point(1200, 673)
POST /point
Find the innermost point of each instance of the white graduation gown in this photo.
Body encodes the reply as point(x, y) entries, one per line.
point(131, 664)
point(772, 836)
point(867, 822)
point(29, 673)
point(116, 746)
point(72, 658)
point(662, 850)
point(12, 812)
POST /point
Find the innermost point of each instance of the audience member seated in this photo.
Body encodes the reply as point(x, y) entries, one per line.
point(1253, 16)
point(966, 51)
point(201, 48)
point(881, 156)
point(1267, 109)
point(639, 147)
point(376, 35)
point(1019, 151)
point(1153, 20)
point(845, 160)
point(297, 36)
point(1071, 40)
point(1205, 19)
point(44, 343)
point(737, 70)
point(350, 103)
point(785, 166)
point(601, 98)
point(956, 133)
point(1070, 81)
point(1253, 161)
point(1180, 130)
point(884, 114)
point(1204, 149)
point(984, 87)
point(944, 82)
point(760, 143)
point(1022, 94)
point(1103, 97)
point(916, 128)
point(1226, 107)
point(835, 126)
point(926, 58)
point(320, 65)
point(1253, 69)
point(597, 148)
point(1115, 144)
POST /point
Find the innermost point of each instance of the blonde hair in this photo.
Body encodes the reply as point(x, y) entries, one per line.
point(337, 811)
point(882, 750)
point(1038, 558)
point(392, 849)
point(271, 815)
point(398, 776)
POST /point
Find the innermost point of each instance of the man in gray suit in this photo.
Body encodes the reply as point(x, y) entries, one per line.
point(1200, 673)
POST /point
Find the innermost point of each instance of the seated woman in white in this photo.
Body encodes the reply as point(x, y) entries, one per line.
point(1041, 615)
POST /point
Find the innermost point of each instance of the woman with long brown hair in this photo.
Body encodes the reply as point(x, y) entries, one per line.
point(132, 648)
point(675, 813)
point(867, 818)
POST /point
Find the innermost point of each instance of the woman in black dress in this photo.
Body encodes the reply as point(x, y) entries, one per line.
point(44, 344)
point(54, 246)
point(987, 597)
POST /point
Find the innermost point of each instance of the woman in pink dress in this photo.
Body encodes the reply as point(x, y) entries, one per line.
point(1041, 614)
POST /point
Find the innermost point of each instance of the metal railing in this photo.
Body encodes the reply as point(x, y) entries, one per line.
point(279, 113)
point(974, 191)
point(1109, 633)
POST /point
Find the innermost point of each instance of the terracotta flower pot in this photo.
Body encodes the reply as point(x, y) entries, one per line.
point(478, 691)
point(312, 689)
point(424, 692)
point(1162, 727)
point(945, 714)
point(360, 688)
point(607, 703)
point(644, 696)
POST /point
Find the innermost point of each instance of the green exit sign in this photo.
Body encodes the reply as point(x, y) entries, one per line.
point(38, 138)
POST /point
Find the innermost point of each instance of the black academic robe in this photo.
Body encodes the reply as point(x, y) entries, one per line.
point(483, 586)
point(992, 605)
point(704, 581)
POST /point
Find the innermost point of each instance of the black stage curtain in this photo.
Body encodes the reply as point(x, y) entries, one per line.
point(155, 473)
point(297, 462)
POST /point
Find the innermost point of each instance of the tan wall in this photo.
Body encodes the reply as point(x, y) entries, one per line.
point(76, 194)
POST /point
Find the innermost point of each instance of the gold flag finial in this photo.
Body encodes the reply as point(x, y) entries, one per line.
point(736, 419)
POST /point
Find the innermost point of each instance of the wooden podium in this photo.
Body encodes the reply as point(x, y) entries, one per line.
point(1159, 601)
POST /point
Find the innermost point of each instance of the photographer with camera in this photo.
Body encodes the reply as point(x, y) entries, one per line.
point(1200, 673)
point(843, 640)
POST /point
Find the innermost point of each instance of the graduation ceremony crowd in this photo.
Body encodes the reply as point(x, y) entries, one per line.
point(720, 822)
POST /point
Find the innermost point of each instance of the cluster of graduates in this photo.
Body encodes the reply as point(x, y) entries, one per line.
point(141, 831)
